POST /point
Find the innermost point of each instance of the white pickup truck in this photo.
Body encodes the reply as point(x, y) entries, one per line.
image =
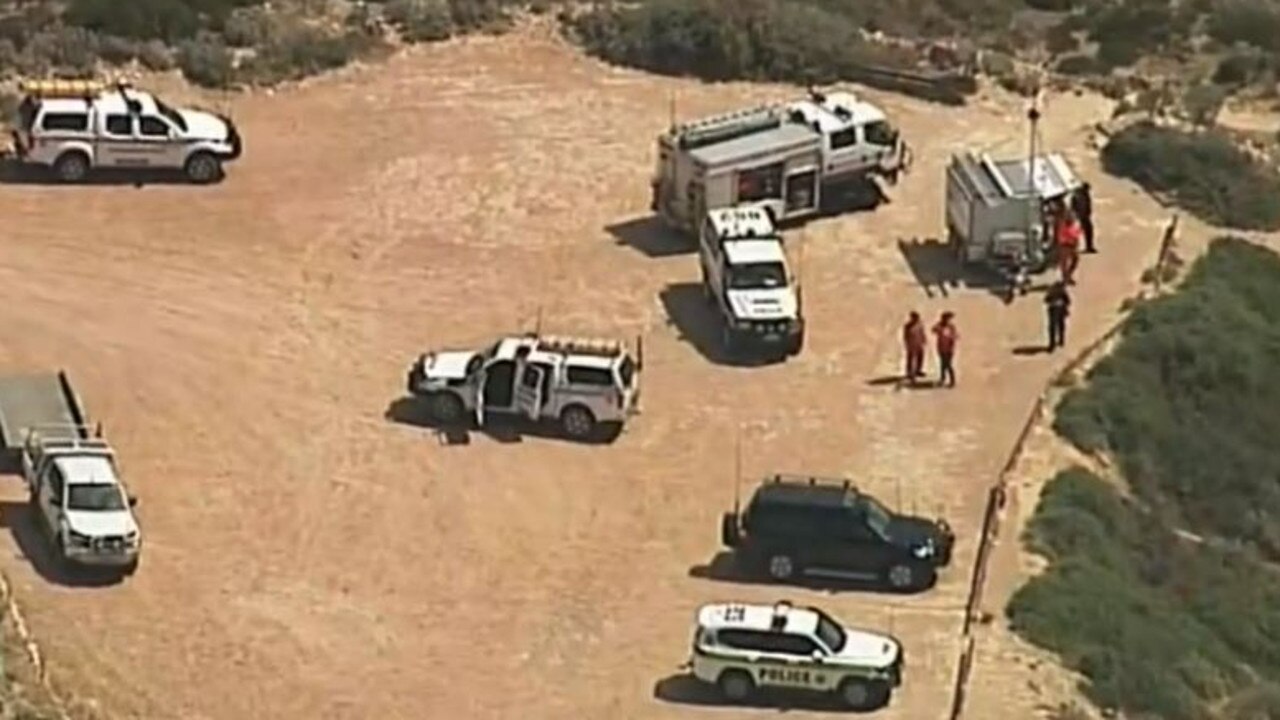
point(78, 499)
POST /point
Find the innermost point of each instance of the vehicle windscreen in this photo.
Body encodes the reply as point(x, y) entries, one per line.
point(881, 132)
point(95, 497)
point(757, 276)
point(173, 115)
point(830, 633)
point(877, 515)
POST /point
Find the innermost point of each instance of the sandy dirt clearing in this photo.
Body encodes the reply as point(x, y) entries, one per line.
point(309, 558)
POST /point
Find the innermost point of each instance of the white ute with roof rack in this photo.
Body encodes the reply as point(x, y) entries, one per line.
point(744, 648)
point(76, 126)
point(589, 386)
point(784, 156)
point(79, 501)
point(747, 277)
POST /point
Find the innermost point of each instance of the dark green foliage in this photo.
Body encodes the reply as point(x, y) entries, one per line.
point(1080, 64)
point(206, 61)
point(1156, 623)
point(1241, 67)
point(729, 39)
point(1253, 22)
point(169, 20)
point(1206, 173)
point(433, 20)
point(1189, 403)
point(299, 50)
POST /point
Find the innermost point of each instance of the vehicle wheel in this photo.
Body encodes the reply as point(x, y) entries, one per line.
point(71, 167)
point(857, 694)
point(132, 567)
point(578, 422)
point(796, 346)
point(726, 340)
point(906, 576)
point(203, 168)
point(445, 408)
point(735, 685)
point(781, 567)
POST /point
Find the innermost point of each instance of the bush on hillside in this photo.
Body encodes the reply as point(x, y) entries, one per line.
point(168, 20)
point(433, 20)
point(1252, 22)
point(1189, 405)
point(298, 50)
point(1205, 173)
point(1158, 625)
point(731, 39)
point(206, 61)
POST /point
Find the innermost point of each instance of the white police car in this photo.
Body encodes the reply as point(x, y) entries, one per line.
point(742, 648)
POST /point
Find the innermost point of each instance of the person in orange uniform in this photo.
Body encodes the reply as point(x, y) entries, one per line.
point(914, 340)
point(1068, 237)
point(947, 336)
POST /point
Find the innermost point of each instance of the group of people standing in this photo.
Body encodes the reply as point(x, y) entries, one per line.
point(1069, 222)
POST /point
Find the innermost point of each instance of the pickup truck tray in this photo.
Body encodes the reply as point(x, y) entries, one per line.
point(44, 400)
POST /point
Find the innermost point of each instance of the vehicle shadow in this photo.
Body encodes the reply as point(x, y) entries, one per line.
point(411, 411)
point(697, 324)
point(15, 173)
point(651, 236)
point(20, 518)
point(685, 689)
point(725, 567)
point(935, 267)
point(852, 198)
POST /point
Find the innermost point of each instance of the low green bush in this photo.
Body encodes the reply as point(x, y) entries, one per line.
point(206, 61)
point(1204, 172)
point(302, 50)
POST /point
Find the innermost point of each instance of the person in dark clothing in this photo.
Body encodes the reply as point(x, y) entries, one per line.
point(947, 335)
point(1082, 204)
point(1058, 304)
point(914, 340)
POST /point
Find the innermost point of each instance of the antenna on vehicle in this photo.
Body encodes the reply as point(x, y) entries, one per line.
point(897, 482)
point(671, 110)
point(537, 321)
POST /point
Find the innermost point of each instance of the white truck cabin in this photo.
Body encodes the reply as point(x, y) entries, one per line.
point(738, 223)
point(80, 497)
point(857, 137)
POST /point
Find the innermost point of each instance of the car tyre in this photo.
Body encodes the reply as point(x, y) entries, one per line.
point(71, 167)
point(578, 422)
point(445, 408)
point(736, 685)
point(781, 566)
point(203, 168)
point(131, 568)
point(904, 577)
point(859, 694)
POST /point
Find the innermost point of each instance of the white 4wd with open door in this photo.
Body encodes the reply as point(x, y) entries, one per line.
point(743, 648)
point(590, 387)
point(73, 127)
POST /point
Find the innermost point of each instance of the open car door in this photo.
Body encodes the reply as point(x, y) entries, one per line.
point(529, 391)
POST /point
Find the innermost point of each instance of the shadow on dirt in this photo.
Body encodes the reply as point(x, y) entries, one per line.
point(851, 198)
point(652, 237)
point(725, 567)
point(696, 321)
point(23, 524)
point(507, 430)
point(15, 173)
point(938, 271)
point(685, 689)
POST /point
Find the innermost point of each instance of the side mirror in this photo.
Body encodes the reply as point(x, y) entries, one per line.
point(133, 501)
point(818, 656)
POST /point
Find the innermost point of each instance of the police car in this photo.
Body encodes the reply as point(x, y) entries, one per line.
point(743, 648)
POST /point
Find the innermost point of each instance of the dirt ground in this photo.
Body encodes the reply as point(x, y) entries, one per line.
point(309, 557)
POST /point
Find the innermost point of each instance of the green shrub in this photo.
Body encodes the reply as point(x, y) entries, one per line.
point(421, 20)
point(206, 61)
point(303, 50)
point(1240, 67)
point(248, 27)
point(1080, 64)
point(727, 39)
point(66, 50)
point(1126, 30)
point(1188, 403)
point(1253, 22)
point(1158, 625)
point(1203, 172)
point(169, 20)
point(155, 55)
point(117, 51)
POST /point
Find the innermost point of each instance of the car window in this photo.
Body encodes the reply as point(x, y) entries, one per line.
point(758, 276)
point(844, 138)
point(627, 371)
point(789, 644)
point(831, 632)
point(744, 640)
point(55, 480)
point(174, 116)
point(65, 121)
point(95, 498)
point(579, 375)
point(531, 377)
point(153, 127)
point(119, 125)
point(880, 132)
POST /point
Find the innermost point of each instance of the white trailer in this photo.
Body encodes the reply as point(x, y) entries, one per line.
point(782, 156)
point(995, 211)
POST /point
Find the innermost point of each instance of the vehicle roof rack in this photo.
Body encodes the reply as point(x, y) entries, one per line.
point(70, 89)
point(580, 346)
point(728, 126)
point(812, 480)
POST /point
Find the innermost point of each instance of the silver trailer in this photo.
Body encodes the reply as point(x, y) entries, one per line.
point(995, 211)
